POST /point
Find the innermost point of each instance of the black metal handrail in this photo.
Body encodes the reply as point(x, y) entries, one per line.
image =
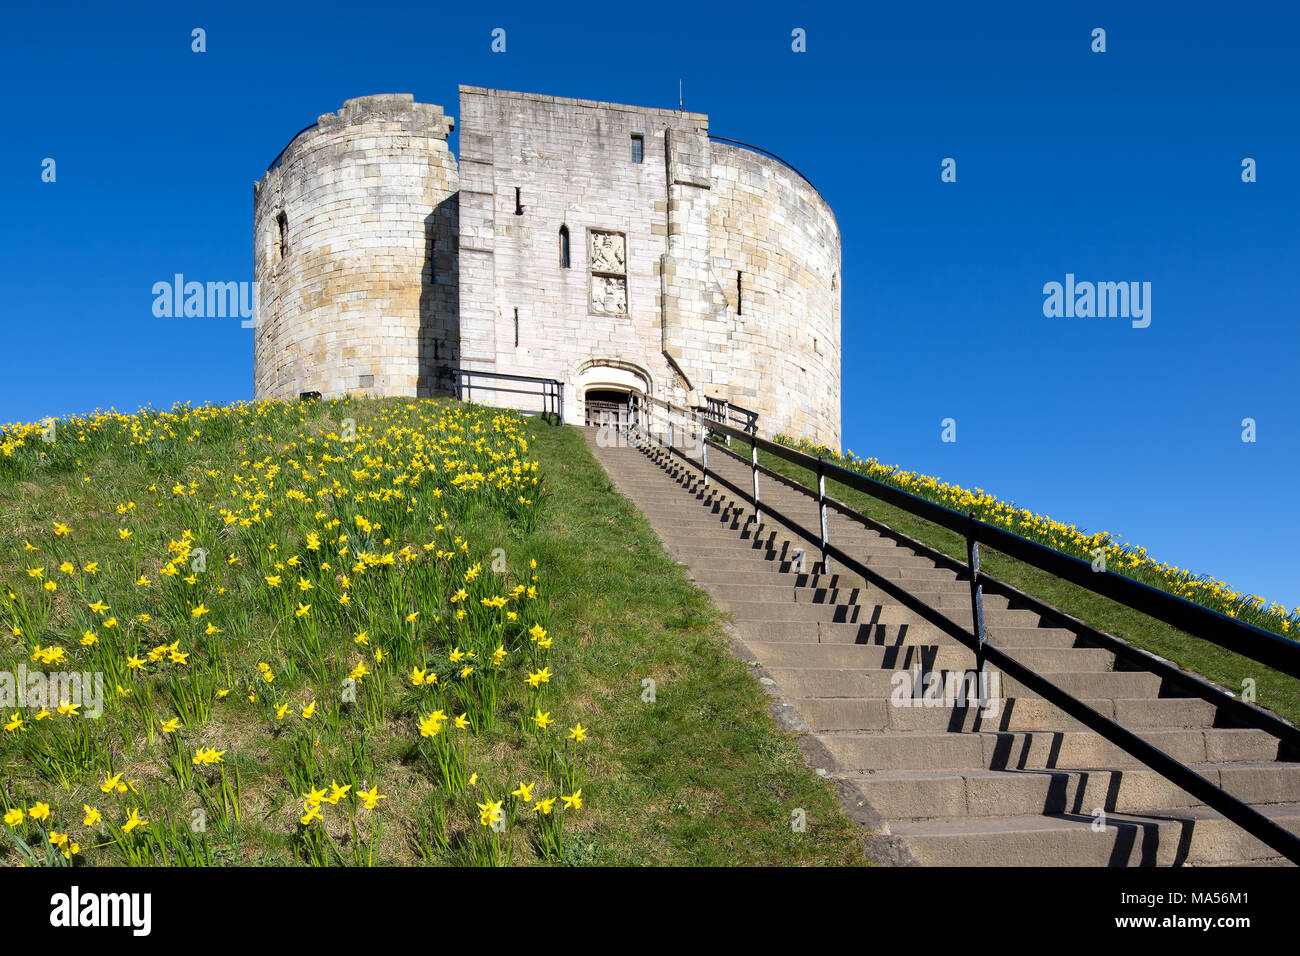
point(280, 155)
point(1194, 684)
point(721, 410)
point(1237, 636)
point(550, 390)
point(766, 152)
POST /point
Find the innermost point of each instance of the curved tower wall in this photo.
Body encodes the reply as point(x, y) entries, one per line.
point(774, 233)
point(355, 255)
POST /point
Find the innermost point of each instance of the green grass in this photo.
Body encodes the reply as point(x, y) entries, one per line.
point(1274, 691)
point(703, 775)
point(700, 776)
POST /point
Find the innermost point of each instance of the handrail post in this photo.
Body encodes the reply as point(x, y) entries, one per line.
point(704, 449)
point(758, 508)
point(976, 606)
point(821, 509)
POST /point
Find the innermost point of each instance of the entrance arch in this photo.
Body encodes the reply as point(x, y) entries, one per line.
point(606, 387)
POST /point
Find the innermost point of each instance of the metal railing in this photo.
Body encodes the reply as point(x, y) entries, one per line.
point(603, 413)
point(765, 152)
point(721, 410)
point(549, 390)
point(280, 155)
point(1236, 636)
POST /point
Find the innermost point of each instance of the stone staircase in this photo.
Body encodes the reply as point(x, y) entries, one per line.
point(1015, 783)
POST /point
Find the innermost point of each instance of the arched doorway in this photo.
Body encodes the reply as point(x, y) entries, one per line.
point(607, 388)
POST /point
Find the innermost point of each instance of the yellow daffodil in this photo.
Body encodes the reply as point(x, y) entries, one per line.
point(489, 812)
point(337, 792)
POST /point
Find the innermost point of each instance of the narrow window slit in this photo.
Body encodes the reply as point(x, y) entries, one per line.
point(282, 227)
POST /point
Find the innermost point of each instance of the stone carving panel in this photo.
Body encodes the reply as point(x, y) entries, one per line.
point(608, 253)
point(608, 273)
point(609, 295)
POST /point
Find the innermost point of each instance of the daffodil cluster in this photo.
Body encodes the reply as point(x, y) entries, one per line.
point(271, 589)
point(1126, 559)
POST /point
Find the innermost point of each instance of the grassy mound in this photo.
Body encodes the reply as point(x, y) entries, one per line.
point(366, 632)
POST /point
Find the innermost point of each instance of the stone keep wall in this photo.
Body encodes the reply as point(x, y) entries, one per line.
point(571, 162)
point(654, 251)
point(696, 326)
point(770, 226)
point(399, 267)
point(363, 296)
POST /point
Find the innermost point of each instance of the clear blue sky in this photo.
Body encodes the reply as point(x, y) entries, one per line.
point(1122, 166)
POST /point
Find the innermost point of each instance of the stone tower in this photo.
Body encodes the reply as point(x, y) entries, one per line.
point(354, 254)
point(618, 249)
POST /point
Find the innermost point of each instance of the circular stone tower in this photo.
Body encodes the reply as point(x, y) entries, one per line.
point(355, 229)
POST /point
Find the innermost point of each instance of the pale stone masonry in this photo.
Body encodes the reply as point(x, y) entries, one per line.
point(618, 249)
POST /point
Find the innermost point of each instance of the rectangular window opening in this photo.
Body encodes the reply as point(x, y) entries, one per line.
point(638, 148)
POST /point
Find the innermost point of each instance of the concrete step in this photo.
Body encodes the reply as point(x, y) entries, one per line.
point(1034, 750)
point(997, 714)
point(854, 613)
point(1190, 836)
point(825, 632)
point(831, 613)
point(811, 579)
point(929, 657)
point(785, 590)
point(927, 795)
point(1005, 638)
point(864, 682)
point(761, 560)
point(789, 654)
point(707, 550)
